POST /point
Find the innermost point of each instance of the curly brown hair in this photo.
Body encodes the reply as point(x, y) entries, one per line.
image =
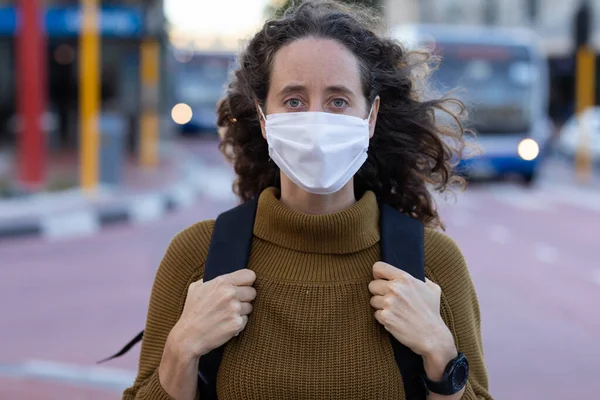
point(415, 145)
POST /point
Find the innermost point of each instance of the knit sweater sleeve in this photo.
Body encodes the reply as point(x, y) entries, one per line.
point(446, 265)
point(182, 265)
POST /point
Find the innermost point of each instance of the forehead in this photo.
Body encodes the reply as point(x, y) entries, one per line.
point(315, 62)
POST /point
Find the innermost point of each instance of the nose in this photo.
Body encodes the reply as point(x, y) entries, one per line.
point(316, 104)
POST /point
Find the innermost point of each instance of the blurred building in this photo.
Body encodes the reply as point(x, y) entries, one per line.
point(123, 24)
point(551, 19)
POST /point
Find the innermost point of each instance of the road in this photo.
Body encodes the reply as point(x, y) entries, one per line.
point(532, 254)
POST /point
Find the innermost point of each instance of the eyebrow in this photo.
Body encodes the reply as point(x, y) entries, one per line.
point(331, 89)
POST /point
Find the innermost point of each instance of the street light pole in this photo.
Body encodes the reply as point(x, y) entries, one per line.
point(89, 95)
point(585, 87)
point(150, 72)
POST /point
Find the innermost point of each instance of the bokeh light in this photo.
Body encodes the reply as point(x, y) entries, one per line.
point(528, 149)
point(181, 113)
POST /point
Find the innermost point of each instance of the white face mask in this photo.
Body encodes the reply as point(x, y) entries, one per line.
point(320, 152)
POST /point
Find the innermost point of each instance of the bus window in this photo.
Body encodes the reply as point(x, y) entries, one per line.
point(202, 80)
point(497, 82)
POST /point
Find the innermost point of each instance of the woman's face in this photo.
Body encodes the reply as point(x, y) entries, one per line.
point(313, 74)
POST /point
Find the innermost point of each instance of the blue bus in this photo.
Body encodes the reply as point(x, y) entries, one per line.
point(502, 76)
point(198, 81)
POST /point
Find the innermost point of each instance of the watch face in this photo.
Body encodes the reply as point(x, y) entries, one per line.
point(454, 379)
point(460, 375)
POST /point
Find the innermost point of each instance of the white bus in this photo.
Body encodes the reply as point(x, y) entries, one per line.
point(502, 77)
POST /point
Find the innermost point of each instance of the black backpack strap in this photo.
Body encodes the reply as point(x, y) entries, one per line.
point(402, 245)
point(229, 251)
point(126, 348)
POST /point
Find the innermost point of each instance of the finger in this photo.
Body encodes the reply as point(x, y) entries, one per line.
point(243, 277)
point(242, 325)
point(432, 285)
point(379, 287)
point(245, 293)
point(245, 309)
point(388, 272)
point(194, 285)
point(197, 283)
point(382, 317)
point(378, 302)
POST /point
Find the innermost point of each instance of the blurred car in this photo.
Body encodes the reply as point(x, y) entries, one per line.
point(575, 130)
point(199, 81)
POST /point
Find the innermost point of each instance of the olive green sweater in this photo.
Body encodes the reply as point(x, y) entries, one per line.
point(312, 334)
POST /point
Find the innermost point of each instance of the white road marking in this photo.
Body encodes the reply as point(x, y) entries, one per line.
point(216, 183)
point(52, 203)
point(108, 378)
point(70, 224)
point(183, 195)
point(499, 234)
point(147, 208)
point(545, 253)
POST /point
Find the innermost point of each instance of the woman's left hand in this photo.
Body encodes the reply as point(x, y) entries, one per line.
point(410, 310)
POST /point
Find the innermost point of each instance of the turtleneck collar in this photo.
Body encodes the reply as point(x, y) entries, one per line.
point(348, 231)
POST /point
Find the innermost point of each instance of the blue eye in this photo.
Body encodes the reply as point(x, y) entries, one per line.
point(294, 103)
point(339, 103)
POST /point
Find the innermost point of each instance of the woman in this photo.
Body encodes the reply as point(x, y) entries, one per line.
point(309, 318)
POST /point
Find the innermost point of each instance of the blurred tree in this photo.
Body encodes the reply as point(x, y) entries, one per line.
point(278, 7)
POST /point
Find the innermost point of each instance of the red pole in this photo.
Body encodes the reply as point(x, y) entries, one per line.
point(31, 92)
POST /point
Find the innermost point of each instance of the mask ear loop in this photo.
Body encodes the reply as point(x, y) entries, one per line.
point(371, 111)
point(261, 113)
point(264, 119)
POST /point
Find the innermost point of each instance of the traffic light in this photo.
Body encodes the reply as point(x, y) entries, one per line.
point(582, 24)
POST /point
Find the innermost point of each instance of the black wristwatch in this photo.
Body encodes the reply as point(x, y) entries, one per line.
point(454, 378)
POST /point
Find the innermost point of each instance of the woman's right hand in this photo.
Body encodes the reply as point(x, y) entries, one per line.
point(214, 312)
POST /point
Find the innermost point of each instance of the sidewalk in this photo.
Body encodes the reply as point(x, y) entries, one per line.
point(144, 195)
point(62, 170)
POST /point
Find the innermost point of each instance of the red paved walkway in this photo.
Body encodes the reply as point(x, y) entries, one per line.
point(535, 272)
point(19, 389)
